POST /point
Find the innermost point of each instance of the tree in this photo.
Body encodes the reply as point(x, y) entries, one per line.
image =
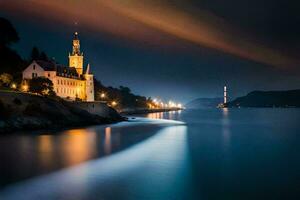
point(6, 79)
point(122, 95)
point(43, 56)
point(125, 90)
point(8, 33)
point(35, 54)
point(11, 62)
point(41, 85)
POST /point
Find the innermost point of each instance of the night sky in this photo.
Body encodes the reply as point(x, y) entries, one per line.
point(180, 50)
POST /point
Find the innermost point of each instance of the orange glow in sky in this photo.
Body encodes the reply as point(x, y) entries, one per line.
point(153, 22)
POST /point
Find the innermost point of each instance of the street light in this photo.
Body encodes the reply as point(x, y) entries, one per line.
point(13, 86)
point(102, 95)
point(114, 103)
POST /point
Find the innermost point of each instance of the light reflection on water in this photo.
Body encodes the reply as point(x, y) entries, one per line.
point(226, 128)
point(172, 115)
point(214, 154)
point(163, 158)
point(41, 154)
point(107, 146)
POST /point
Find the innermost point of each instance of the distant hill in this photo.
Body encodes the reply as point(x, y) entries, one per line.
point(289, 98)
point(204, 103)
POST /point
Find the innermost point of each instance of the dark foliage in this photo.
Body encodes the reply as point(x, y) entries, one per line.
point(122, 95)
point(42, 86)
point(8, 34)
point(37, 55)
point(11, 62)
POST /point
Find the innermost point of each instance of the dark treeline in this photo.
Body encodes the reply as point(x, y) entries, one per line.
point(11, 61)
point(122, 96)
point(13, 64)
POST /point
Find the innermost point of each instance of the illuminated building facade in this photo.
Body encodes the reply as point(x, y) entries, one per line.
point(68, 82)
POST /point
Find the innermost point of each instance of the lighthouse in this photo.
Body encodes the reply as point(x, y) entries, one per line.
point(225, 94)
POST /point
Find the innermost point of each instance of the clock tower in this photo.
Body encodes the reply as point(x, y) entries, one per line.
point(76, 57)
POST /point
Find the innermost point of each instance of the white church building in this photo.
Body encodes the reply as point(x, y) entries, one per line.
point(68, 82)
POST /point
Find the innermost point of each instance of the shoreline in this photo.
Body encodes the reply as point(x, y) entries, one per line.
point(146, 111)
point(23, 112)
point(39, 129)
point(26, 112)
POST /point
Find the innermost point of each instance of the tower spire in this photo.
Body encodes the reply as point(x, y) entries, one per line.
point(76, 45)
point(88, 69)
point(76, 57)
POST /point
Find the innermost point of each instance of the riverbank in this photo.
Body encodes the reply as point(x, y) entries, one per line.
point(146, 111)
point(22, 111)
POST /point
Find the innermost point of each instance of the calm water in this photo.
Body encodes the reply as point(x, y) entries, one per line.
point(193, 154)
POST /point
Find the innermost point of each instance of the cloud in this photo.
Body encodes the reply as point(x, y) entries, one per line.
point(153, 22)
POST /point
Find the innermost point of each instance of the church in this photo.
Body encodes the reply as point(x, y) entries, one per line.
point(72, 82)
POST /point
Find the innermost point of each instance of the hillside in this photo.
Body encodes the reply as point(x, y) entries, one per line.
point(290, 98)
point(204, 103)
point(20, 111)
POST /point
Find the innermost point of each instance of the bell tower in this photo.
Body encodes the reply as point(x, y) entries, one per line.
point(76, 57)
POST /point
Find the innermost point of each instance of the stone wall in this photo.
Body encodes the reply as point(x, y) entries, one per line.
point(98, 108)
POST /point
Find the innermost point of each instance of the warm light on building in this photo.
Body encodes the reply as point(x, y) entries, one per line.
point(70, 82)
point(25, 88)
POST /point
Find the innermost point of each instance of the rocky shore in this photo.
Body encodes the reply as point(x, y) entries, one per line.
point(20, 112)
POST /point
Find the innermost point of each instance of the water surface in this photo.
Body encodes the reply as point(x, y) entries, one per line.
point(199, 154)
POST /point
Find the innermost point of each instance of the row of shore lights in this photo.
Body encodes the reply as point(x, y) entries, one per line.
point(160, 104)
point(156, 103)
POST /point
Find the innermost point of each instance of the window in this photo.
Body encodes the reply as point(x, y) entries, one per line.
point(57, 82)
point(33, 67)
point(48, 74)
